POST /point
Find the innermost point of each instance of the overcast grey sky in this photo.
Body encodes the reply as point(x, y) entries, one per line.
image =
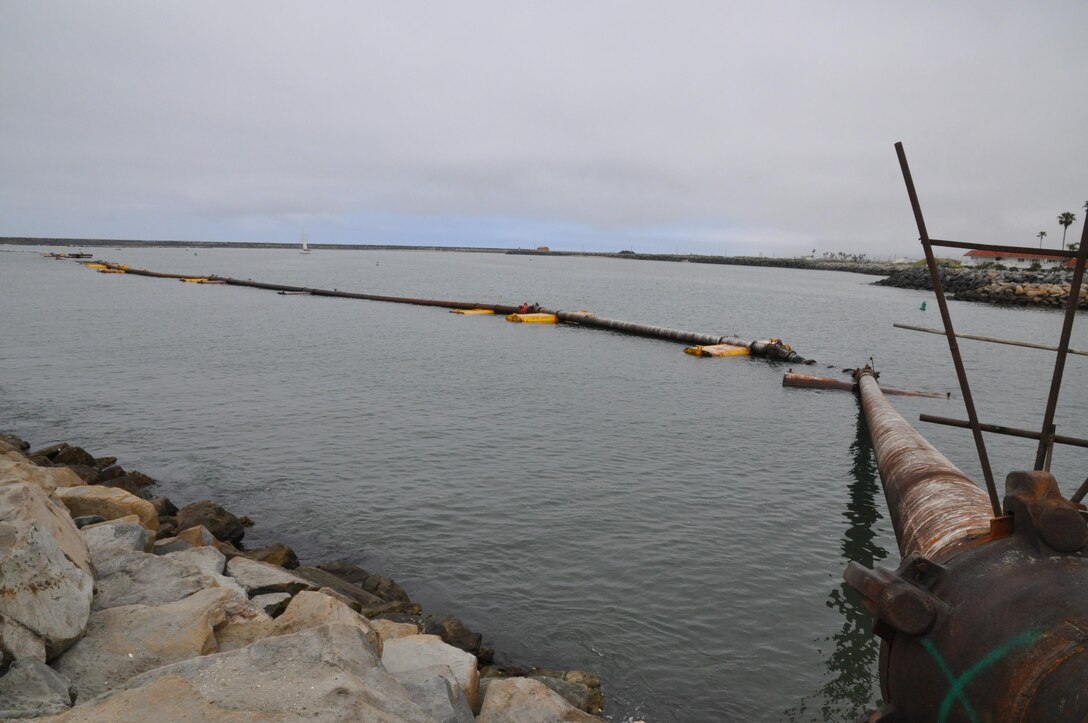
point(717, 127)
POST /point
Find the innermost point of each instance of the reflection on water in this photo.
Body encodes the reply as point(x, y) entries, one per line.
point(852, 683)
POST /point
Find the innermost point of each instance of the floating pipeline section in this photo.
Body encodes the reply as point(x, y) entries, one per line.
point(769, 348)
point(986, 618)
point(809, 381)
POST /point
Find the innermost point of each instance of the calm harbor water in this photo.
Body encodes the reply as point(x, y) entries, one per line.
point(586, 500)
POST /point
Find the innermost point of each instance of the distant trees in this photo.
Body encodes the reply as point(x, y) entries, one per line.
point(1066, 220)
point(1041, 235)
point(842, 256)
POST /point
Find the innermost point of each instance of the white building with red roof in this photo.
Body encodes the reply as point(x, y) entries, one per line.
point(1017, 261)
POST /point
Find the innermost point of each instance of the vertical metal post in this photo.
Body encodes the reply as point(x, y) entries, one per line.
point(950, 333)
point(1047, 440)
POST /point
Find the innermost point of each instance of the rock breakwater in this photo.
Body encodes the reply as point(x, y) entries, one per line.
point(115, 604)
point(1011, 288)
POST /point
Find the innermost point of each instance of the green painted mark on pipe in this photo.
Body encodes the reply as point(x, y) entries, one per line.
point(955, 691)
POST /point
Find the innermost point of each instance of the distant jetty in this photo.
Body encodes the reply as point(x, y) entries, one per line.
point(1042, 289)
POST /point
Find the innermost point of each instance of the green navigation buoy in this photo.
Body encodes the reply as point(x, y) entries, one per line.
point(923, 307)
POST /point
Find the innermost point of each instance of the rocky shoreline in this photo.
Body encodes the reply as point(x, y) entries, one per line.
point(1049, 289)
point(115, 604)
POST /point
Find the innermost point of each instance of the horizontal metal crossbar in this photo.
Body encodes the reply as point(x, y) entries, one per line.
point(991, 339)
point(1007, 249)
point(999, 429)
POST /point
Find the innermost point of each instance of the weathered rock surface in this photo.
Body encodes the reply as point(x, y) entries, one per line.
point(46, 579)
point(164, 507)
point(212, 563)
point(437, 691)
point(453, 631)
point(273, 603)
point(576, 694)
point(124, 641)
point(85, 472)
point(311, 609)
point(209, 560)
point(32, 689)
point(16, 468)
point(258, 578)
point(322, 674)
point(11, 443)
point(524, 700)
point(276, 554)
point(139, 578)
point(222, 524)
point(110, 502)
point(320, 578)
point(383, 587)
point(245, 623)
point(388, 629)
point(199, 536)
point(415, 652)
point(72, 455)
point(125, 533)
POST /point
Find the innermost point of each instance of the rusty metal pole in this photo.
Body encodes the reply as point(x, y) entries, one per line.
point(1046, 442)
point(946, 318)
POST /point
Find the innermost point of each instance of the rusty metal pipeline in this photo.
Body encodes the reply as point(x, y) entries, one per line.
point(935, 508)
point(770, 348)
point(810, 381)
point(985, 619)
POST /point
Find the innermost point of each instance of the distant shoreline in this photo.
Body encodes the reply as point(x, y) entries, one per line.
point(874, 268)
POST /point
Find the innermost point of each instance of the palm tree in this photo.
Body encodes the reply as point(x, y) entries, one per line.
point(1066, 220)
point(1041, 235)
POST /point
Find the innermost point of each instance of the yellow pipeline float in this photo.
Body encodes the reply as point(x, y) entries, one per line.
point(533, 318)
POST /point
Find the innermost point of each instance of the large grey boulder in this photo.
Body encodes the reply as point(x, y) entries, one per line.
point(524, 700)
point(126, 577)
point(437, 691)
point(259, 578)
point(46, 576)
point(325, 674)
point(219, 522)
point(415, 652)
point(109, 502)
point(122, 642)
point(125, 533)
point(312, 609)
point(31, 689)
point(212, 563)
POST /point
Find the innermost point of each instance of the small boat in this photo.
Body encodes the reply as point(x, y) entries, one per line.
point(305, 249)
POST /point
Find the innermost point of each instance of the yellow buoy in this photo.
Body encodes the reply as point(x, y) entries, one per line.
point(96, 266)
point(472, 312)
point(199, 280)
point(533, 318)
point(111, 271)
point(718, 350)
